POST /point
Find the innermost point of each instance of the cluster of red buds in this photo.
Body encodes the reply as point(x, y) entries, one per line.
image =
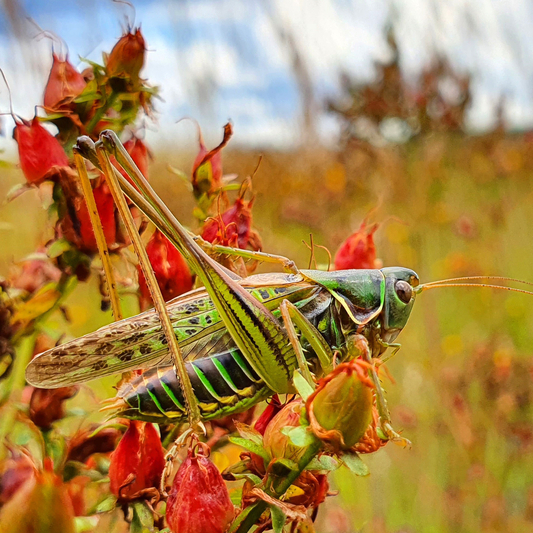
point(358, 250)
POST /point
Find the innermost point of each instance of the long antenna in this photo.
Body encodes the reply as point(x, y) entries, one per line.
point(427, 287)
point(469, 278)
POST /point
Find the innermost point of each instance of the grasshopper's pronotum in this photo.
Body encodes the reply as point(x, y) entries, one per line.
point(236, 338)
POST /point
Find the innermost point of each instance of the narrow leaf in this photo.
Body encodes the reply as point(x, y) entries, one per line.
point(278, 519)
point(143, 519)
point(248, 432)
point(355, 464)
point(256, 480)
point(251, 447)
point(300, 384)
point(324, 462)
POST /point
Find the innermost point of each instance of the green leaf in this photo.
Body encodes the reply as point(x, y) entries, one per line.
point(143, 518)
point(286, 464)
point(256, 480)
point(278, 519)
point(324, 462)
point(236, 497)
point(58, 247)
point(251, 447)
point(85, 523)
point(106, 504)
point(381, 435)
point(299, 435)
point(248, 432)
point(355, 464)
point(300, 384)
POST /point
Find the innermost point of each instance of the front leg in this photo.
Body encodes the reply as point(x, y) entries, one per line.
point(356, 346)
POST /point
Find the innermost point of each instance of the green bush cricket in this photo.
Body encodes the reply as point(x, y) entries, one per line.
point(237, 336)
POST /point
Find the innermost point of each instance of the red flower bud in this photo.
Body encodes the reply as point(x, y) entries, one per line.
point(64, 84)
point(47, 405)
point(358, 250)
point(39, 150)
point(137, 463)
point(272, 409)
point(170, 268)
point(199, 501)
point(40, 505)
point(207, 167)
point(106, 210)
point(127, 57)
point(232, 228)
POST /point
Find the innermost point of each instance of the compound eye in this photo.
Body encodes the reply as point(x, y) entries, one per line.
point(404, 291)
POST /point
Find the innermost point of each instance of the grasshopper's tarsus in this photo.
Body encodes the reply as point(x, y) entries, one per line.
point(395, 349)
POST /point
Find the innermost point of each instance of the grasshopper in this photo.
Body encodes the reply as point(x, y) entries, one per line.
point(239, 340)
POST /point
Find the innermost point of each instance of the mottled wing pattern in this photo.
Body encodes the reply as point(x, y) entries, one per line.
point(139, 342)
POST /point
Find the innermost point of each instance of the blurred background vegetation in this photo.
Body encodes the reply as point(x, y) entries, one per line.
point(450, 201)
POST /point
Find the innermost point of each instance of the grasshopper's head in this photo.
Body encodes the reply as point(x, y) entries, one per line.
point(386, 295)
point(400, 284)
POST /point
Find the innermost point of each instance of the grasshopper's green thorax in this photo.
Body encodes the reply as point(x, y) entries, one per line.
point(360, 292)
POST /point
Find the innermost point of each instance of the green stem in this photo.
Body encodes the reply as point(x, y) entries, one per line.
point(101, 112)
point(248, 518)
point(18, 380)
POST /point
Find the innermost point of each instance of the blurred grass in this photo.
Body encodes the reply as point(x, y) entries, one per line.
point(450, 205)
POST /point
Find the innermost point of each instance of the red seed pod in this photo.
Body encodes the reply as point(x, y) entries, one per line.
point(170, 268)
point(39, 150)
point(127, 57)
point(47, 405)
point(64, 84)
point(106, 211)
point(233, 227)
point(199, 501)
point(137, 463)
point(358, 250)
point(207, 167)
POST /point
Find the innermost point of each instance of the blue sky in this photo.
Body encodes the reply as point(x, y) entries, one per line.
point(223, 59)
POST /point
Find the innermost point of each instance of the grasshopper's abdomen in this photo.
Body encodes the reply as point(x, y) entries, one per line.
point(223, 384)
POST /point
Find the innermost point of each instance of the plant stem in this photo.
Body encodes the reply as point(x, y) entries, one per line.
point(101, 112)
point(252, 514)
point(18, 380)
